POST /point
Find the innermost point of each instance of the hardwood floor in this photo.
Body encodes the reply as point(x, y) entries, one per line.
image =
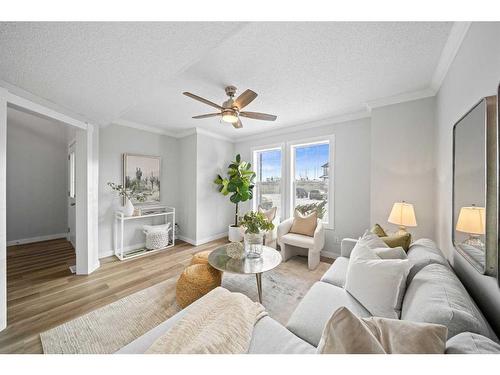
point(42, 293)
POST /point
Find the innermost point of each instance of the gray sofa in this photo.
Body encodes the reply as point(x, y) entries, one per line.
point(434, 295)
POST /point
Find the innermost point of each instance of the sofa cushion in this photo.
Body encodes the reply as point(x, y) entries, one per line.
point(391, 253)
point(337, 272)
point(298, 240)
point(435, 295)
point(370, 240)
point(316, 308)
point(471, 343)
point(422, 253)
point(270, 337)
point(378, 284)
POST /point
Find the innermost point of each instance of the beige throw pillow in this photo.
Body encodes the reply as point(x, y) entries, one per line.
point(269, 214)
point(305, 225)
point(345, 333)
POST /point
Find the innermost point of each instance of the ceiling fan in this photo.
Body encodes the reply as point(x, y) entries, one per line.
point(231, 108)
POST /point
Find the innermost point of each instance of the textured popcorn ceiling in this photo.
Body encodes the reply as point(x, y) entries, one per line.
point(137, 71)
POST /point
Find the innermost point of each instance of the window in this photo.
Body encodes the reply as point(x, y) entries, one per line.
point(268, 192)
point(310, 177)
point(72, 174)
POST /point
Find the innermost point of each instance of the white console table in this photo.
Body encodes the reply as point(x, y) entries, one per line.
point(119, 223)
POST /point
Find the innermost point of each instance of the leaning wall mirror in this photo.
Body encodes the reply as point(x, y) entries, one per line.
point(475, 194)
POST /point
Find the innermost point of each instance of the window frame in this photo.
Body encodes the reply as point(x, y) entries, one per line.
point(291, 147)
point(271, 147)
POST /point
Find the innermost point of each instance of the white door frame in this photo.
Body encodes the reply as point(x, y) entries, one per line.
point(87, 156)
point(71, 200)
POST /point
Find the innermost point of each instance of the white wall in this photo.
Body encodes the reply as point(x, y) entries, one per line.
point(37, 181)
point(114, 141)
point(352, 174)
point(187, 187)
point(403, 163)
point(214, 212)
point(475, 73)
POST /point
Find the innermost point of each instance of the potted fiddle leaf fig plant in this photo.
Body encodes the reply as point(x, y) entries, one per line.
point(255, 224)
point(239, 185)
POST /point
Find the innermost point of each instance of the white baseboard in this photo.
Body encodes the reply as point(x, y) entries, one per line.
point(108, 253)
point(23, 241)
point(186, 239)
point(329, 254)
point(203, 240)
point(211, 238)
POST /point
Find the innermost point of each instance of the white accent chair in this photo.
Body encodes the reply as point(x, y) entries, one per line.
point(293, 244)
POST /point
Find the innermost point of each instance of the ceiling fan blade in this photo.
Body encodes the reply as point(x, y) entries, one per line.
point(245, 99)
point(200, 99)
point(207, 115)
point(259, 116)
point(238, 124)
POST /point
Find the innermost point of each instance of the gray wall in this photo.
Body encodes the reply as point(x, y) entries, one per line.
point(115, 140)
point(403, 163)
point(352, 175)
point(214, 212)
point(37, 180)
point(475, 73)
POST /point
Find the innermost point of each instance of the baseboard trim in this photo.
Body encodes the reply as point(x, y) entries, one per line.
point(48, 237)
point(211, 238)
point(186, 239)
point(330, 254)
point(202, 241)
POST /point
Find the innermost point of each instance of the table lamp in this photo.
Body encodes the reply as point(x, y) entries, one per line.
point(471, 220)
point(402, 214)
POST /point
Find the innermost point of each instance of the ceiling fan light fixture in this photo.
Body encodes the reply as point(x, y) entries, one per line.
point(229, 116)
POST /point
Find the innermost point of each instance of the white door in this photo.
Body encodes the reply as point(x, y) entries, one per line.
point(72, 195)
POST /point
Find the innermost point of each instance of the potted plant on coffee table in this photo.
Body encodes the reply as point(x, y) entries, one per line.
point(239, 184)
point(255, 224)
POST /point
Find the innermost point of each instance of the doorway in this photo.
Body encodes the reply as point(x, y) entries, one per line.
point(86, 191)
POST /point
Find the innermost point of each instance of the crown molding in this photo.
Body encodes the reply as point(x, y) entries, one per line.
point(138, 126)
point(400, 98)
point(170, 133)
point(213, 135)
point(351, 116)
point(450, 50)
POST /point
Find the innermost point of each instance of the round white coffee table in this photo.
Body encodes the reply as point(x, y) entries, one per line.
point(269, 259)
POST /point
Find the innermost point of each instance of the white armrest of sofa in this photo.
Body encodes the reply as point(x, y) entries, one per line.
point(346, 247)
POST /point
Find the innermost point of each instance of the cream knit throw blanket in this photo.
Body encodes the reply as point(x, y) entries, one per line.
point(222, 324)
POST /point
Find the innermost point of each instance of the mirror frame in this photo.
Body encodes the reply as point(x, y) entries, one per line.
point(491, 161)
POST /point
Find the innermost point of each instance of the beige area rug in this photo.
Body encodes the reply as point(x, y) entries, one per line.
point(111, 327)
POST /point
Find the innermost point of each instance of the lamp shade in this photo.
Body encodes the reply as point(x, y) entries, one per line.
point(402, 213)
point(471, 220)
